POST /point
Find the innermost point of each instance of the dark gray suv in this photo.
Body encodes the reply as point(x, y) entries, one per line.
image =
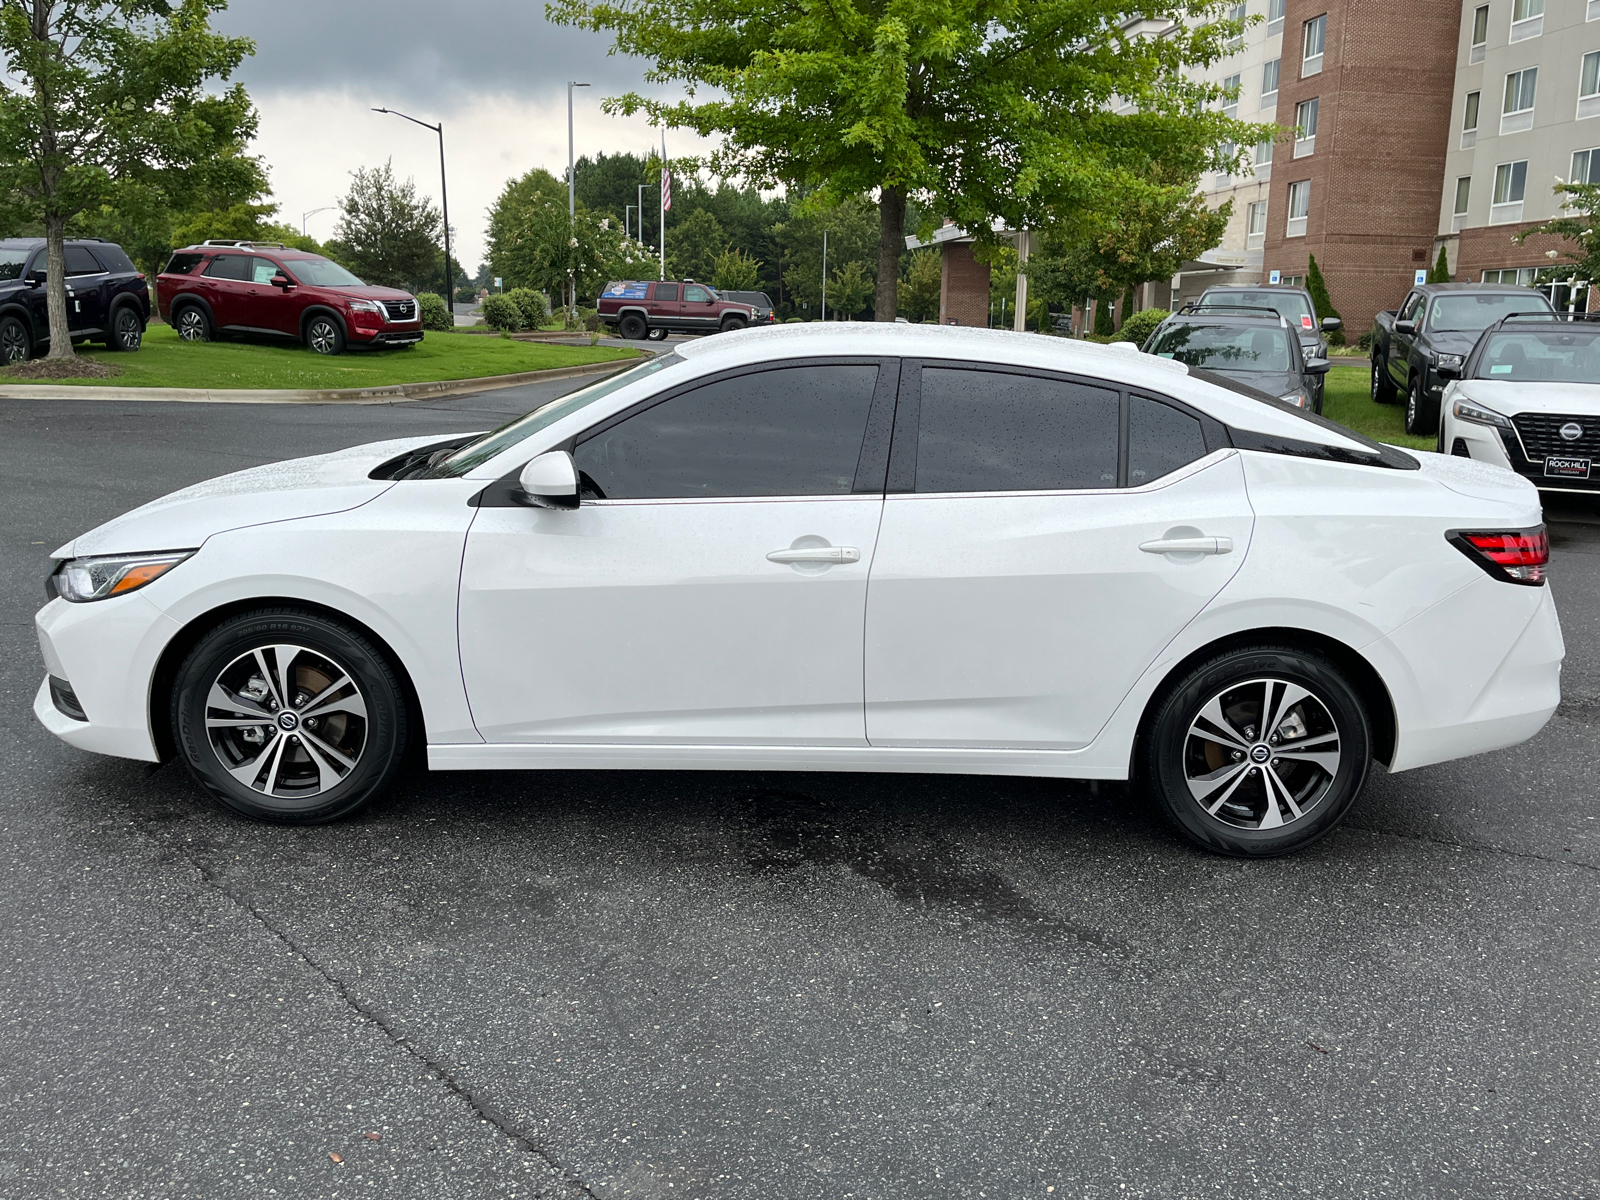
point(1294, 305)
point(1252, 346)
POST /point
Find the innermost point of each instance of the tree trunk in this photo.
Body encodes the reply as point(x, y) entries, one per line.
point(55, 287)
point(891, 241)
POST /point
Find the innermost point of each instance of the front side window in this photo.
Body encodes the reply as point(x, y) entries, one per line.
point(694, 294)
point(1316, 31)
point(1473, 314)
point(11, 263)
point(1567, 355)
point(1160, 440)
point(989, 431)
point(790, 431)
point(263, 269)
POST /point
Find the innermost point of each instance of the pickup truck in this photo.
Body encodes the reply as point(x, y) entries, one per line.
point(644, 308)
point(1437, 326)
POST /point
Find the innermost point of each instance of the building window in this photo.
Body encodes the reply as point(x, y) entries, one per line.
point(1458, 215)
point(1589, 85)
point(1227, 152)
point(1480, 34)
point(1527, 19)
point(1586, 166)
point(1516, 114)
point(1510, 180)
point(1269, 83)
point(1305, 123)
point(1300, 208)
point(1469, 121)
point(1236, 13)
point(1316, 33)
point(1292, 281)
point(1594, 11)
point(1263, 162)
point(1515, 276)
point(1230, 101)
point(1275, 9)
point(1256, 226)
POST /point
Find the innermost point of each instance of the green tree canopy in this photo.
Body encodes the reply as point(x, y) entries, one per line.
point(979, 109)
point(1581, 228)
point(102, 104)
point(529, 238)
point(736, 271)
point(693, 245)
point(387, 234)
point(921, 285)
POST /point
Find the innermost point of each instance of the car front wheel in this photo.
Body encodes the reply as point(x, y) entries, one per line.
point(15, 344)
point(633, 327)
point(324, 336)
point(1421, 419)
point(289, 717)
point(1382, 385)
point(732, 324)
point(1258, 752)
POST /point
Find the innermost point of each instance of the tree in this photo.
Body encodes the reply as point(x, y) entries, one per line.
point(529, 240)
point(1441, 268)
point(104, 102)
point(693, 245)
point(386, 233)
point(1104, 326)
point(1581, 229)
point(1321, 301)
point(849, 289)
point(919, 290)
point(852, 232)
point(979, 109)
point(736, 271)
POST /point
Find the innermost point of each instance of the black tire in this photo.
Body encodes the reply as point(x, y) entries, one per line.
point(1241, 682)
point(1382, 386)
point(658, 335)
point(127, 330)
point(324, 335)
point(192, 323)
point(1319, 389)
point(1422, 416)
point(236, 672)
point(733, 324)
point(15, 344)
point(633, 327)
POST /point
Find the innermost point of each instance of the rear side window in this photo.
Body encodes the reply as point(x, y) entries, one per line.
point(230, 266)
point(81, 262)
point(988, 431)
point(1160, 440)
point(184, 264)
point(666, 291)
point(791, 431)
point(115, 259)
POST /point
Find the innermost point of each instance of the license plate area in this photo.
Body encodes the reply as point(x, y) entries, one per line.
point(1562, 466)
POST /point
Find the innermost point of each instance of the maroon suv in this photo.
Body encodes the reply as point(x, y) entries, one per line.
point(266, 288)
point(639, 308)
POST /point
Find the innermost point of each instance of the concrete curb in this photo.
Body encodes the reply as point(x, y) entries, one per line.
point(395, 394)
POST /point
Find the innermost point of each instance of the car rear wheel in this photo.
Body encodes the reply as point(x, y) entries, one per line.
point(1421, 419)
point(324, 335)
point(658, 335)
point(1258, 752)
point(1382, 385)
point(15, 344)
point(633, 327)
point(193, 324)
point(127, 330)
point(289, 717)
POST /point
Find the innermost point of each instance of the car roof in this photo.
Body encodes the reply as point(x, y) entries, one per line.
point(1120, 364)
point(1257, 287)
point(1476, 287)
point(26, 243)
point(1223, 317)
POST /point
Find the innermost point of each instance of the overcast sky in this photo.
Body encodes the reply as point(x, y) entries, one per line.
point(493, 71)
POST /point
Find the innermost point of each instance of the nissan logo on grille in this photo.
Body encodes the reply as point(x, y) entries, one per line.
point(1571, 431)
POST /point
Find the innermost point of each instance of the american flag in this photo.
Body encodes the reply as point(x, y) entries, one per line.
point(666, 189)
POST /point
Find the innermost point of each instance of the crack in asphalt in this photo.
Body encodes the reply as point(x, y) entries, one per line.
point(1475, 847)
point(480, 1109)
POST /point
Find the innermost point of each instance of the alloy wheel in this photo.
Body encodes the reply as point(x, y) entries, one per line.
point(1262, 754)
point(13, 343)
point(192, 325)
point(128, 333)
point(286, 721)
point(1374, 381)
point(324, 338)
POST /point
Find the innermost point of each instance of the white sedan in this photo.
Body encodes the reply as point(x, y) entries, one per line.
point(846, 548)
point(1528, 398)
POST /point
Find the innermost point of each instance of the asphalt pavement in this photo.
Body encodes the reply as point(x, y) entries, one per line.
point(765, 986)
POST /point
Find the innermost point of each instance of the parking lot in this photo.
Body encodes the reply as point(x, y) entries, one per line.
point(765, 986)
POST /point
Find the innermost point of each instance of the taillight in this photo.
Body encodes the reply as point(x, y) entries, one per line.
point(1511, 555)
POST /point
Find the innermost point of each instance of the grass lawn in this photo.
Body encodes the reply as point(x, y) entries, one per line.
point(167, 361)
point(1348, 400)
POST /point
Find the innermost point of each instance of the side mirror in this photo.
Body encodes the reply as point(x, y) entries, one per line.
point(282, 281)
point(549, 481)
point(1405, 326)
point(35, 278)
point(1318, 366)
point(1329, 324)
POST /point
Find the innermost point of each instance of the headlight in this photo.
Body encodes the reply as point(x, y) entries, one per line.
point(1298, 399)
point(1478, 416)
point(1453, 361)
point(83, 579)
point(371, 306)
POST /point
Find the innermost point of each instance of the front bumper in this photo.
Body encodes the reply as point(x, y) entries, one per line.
point(1503, 448)
point(385, 337)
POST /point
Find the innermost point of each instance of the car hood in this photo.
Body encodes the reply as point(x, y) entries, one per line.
point(283, 491)
point(1451, 341)
point(372, 291)
point(1274, 383)
point(1510, 398)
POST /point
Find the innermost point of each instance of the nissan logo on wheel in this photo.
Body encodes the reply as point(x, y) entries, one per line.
point(1571, 431)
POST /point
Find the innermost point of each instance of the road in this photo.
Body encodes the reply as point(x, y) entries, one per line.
point(764, 986)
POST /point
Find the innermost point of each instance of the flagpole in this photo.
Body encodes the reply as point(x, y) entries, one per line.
point(663, 190)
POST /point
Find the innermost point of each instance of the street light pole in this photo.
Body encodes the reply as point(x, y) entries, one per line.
point(444, 203)
point(311, 212)
point(640, 207)
point(824, 274)
point(572, 201)
point(626, 227)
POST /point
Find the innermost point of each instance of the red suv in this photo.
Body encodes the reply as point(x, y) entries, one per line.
point(266, 288)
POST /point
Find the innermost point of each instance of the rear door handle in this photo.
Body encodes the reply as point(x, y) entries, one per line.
point(816, 554)
point(1188, 545)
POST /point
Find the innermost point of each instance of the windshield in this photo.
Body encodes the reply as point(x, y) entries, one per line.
point(1292, 306)
point(1470, 314)
point(321, 272)
point(1569, 355)
point(480, 450)
point(1227, 347)
point(11, 262)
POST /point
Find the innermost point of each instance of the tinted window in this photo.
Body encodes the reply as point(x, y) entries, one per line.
point(114, 259)
point(229, 266)
point(1253, 347)
point(1160, 440)
point(184, 264)
point(666, 291)
point(695, 295)
point(984, 431)
point(12, 260)
point(81, 262)
point(793, 431)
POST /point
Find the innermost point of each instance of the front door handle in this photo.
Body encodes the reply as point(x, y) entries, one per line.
point(1188, 545)
point(816, 554)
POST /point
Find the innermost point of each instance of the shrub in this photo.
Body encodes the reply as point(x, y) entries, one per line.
point(1441, 269)
point(1318, 287)
point(1104, 326)
point(1365, 341)
point(1138, 328)
point(534, 307)
point(501, 312)
point(435, 313)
